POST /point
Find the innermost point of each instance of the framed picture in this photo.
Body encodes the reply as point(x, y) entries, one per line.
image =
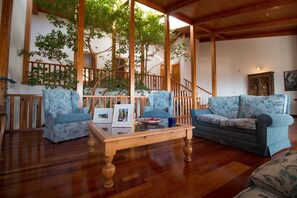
point(102, 115)
point(122, 116)
point(290, 79)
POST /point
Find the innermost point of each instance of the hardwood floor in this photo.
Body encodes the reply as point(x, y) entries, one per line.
point(34, 167)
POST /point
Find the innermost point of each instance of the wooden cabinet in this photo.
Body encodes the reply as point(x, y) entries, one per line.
point(261, 84)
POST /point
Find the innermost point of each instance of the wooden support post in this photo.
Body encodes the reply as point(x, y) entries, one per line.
point(167, 52)
point(27, 41)
point(131, 51)
point(142, 62)
point(80, 50)
point(5, 28)
point(113, 53)
point(193, 65)
point(213, 65)
point(5, 36)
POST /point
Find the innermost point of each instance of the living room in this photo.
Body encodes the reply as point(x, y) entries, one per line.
point(35, 166)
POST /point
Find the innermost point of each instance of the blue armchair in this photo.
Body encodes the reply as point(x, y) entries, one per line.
point(161, 105)
point(63, 119)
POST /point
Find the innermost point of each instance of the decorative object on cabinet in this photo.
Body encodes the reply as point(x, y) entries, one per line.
point(290, 79)
point(261, 84)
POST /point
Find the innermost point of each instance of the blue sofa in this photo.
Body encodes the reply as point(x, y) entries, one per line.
point(258, 124)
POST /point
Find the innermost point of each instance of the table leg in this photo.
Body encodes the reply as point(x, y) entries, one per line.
point(188, 150)
point(108, 171)
point(91, 142)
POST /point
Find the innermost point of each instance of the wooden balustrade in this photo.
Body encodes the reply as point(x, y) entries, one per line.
point(41, 68)
point(90, 76)
point(202, 94)
point(179, 89)
point(25, 110)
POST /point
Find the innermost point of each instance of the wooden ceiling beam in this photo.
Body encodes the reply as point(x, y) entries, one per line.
point(210, 32)
point(256, 35)
point(180, 5)
point(243, 10)
point(268, 34)
point(152, 5)
point(269, 24)
point(182, 18)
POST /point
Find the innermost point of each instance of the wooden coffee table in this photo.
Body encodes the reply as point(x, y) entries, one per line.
point(115, 139)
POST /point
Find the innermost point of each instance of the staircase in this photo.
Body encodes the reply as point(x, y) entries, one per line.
point(186, 90)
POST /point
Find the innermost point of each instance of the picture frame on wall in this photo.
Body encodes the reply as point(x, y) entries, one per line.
point(102, 115)
point(123, 115)
point(290, 80)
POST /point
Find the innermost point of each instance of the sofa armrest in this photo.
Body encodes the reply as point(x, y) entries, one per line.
point(196, 112)
point(275, 120)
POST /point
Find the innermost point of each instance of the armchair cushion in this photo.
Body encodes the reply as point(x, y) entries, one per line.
point(72, 117)
point(156, 113)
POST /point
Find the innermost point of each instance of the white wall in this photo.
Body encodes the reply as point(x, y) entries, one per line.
point(238, 58)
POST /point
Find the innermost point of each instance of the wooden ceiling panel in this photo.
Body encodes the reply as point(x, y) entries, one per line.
point(230, 19)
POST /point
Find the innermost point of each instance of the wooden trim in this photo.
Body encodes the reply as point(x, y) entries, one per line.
point(131, 51)
point(27, 41)
point(193, 65)
point(243, 10)
point(5, 30)
point(167, 52)
point(294, 116)
point(80, 49)
point(213, 65)
point(35, 9)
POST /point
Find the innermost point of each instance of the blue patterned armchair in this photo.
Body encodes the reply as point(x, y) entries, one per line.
point(161, 105)
point(63, 119)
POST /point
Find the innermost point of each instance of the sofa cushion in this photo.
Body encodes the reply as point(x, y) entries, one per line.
point(242, 123)
point(278, 176)
point(72, 117)
point(253, 106)
point(210, 118)
point(255, 192)
point(226, 106)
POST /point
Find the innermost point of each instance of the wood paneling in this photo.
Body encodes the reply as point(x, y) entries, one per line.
point(34, 167)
